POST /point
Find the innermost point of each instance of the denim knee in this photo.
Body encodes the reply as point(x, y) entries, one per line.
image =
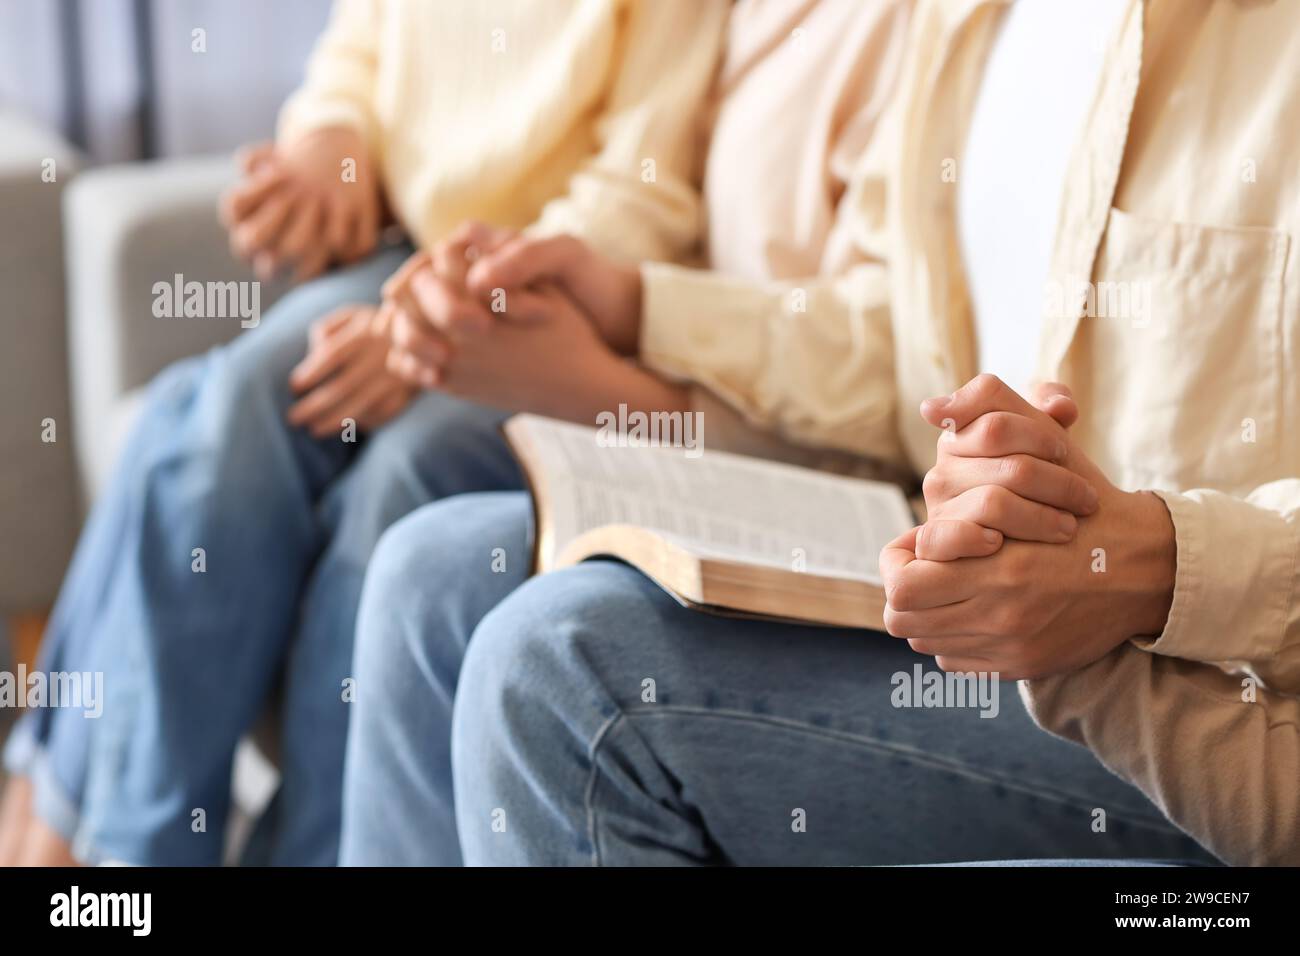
point(245, 383)
point(437, 448)
point(432, 577)
point(568, 639)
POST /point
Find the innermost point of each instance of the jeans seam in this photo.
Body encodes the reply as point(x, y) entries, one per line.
point(912, 754)
point(594, 745)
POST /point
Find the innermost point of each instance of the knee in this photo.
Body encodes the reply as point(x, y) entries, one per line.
point(428, 454)
point(438, 446)
point(227, 401)
point(247, 379)
point(294, 312)
point(404, 579)
point(422, 586)
point(569, 636)
point(546, 673)
point(218, 420)
point(170, 394)
point(250, 373)
point(385, 481)
point(360, 282)
point(391, 628)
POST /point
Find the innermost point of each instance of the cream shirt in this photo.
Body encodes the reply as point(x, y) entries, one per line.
point(1039, 80)
point(577, 116)
point(1177, 326)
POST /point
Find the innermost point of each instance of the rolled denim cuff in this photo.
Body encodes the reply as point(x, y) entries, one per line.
point(24, 756)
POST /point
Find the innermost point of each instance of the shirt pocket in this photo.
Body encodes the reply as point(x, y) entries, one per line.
point(1192, 369)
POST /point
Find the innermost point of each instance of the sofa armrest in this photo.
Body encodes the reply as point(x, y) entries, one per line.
point(38, 501)
point(129, 227)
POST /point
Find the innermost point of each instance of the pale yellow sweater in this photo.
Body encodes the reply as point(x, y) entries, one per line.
point(574, 116)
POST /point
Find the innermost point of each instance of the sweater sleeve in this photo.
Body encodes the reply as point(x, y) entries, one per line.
point(812, 361)
point(339, 88)
point(636, 196)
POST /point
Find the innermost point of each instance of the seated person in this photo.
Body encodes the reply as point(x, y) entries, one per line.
point(1140, 574)
point(507, 721)
point(231, 545)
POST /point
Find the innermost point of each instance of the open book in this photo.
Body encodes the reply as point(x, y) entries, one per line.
point(718, 531)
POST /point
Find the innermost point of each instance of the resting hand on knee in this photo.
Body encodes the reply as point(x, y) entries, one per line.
point(305, 204)
point(344, 377)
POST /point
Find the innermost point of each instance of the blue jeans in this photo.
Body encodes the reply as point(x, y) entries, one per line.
point(585, 717)
point(190, 660)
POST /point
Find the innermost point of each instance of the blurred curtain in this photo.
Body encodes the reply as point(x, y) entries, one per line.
point(123, 78)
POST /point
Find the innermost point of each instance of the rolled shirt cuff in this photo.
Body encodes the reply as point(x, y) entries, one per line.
point(1234, 586)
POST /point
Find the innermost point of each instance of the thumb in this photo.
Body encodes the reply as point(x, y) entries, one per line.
point(1056, 400)
point(523, 261)
point(474, 239)
point(399, 282)
point(533, 305)
point(464, 245)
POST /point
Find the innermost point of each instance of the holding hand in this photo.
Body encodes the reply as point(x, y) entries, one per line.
point(344, 376)
point(304, 205)
point(609, 292)
point(518, 347)
point(427, 308)
point(1025, 608)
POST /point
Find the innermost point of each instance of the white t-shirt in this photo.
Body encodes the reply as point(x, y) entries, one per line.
point(1038, 83)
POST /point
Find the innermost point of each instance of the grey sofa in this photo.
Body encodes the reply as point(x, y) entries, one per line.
point(80, 357)
point(38, 503)
point(129, 227)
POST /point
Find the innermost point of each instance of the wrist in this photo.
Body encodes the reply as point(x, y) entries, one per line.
point(1157, 557)
point(624, 333)
point(611, 381)
point(600, 376)
point(335, 137)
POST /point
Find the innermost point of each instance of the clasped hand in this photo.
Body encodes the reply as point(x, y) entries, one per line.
point(304, 205)
point(1030, 562)
point(485, 315)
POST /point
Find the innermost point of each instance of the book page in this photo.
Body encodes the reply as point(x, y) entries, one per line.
point(718, 504)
